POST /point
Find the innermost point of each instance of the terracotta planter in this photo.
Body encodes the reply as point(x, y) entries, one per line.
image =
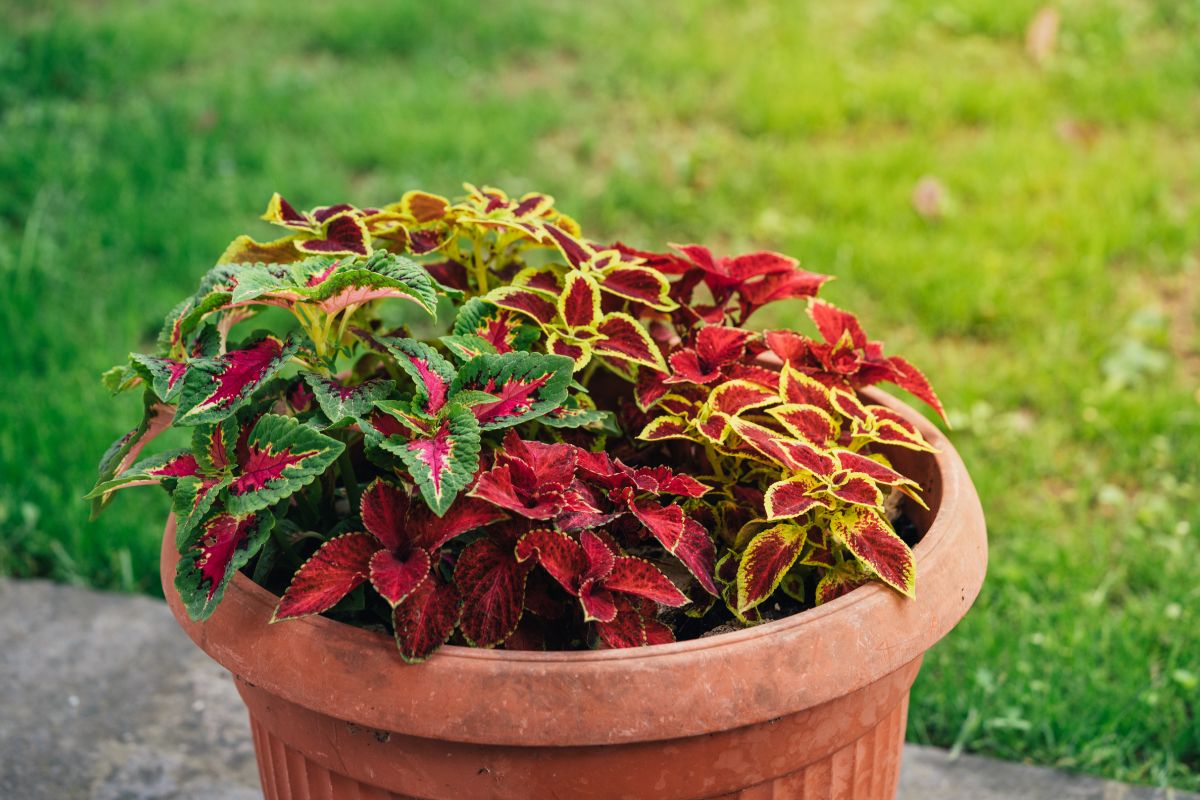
point(812, 706)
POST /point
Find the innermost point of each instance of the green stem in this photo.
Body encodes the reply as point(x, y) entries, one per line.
point(480, 268)
point(714, 462)
point(588, 370)
point(346, 467)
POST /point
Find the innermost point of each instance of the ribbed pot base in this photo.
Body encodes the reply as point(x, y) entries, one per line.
point(304, 756)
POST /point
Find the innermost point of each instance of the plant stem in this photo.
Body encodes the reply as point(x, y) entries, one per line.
point(346, 467)
point(480, 268)
point(714, 462)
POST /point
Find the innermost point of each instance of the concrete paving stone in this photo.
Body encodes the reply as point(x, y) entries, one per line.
point(102, 697)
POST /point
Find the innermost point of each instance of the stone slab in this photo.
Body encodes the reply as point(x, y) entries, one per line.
point(102, 697)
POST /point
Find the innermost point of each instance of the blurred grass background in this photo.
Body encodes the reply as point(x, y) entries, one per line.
point(1046, 274)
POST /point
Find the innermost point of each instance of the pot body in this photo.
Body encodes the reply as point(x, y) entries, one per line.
point(846, 749)
point(812, 706)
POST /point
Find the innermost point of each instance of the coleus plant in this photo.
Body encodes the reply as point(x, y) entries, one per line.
point(464, 421)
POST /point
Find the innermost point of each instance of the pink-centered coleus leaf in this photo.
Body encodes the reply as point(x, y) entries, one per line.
point(224, 544)
point(442, 462)
point(524, 385)
point(431, 373)
point(339, 401)
point(504, 329)
point(214, 388)
point(280, 456)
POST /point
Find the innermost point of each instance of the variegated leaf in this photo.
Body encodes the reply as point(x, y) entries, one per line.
point(524, 385)
point(620, 335)
point(443, 462)
point(224, 544)
point(430, 371)
point(864, 532)
point(281, 457)
point(767, 558)
point(214, 388)
point(340, 402)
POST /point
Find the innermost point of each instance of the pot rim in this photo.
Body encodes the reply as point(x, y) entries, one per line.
point(872, 620)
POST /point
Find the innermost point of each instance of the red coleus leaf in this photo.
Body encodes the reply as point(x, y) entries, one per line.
point(856, 488)
point(492, 584)
point(224, 544)
point(807, 423)
point(425, 620)
point(560, 555)
point(576, 252)
point(385, 509)
point(785, 451)
point(638, 577)
point(735, 397)
point(524, 301)
point(642, 285)
point(620, 335)
point(910, 379)
point(833, 323)
point(876, 545)
point(343, 234)
point(790, 498)
point(337, 568)
point(840, 580)
point(214, 388)
point(579, 303)
point(880, 473)
point(633, 625)
point(768, 557)
point(396, 574)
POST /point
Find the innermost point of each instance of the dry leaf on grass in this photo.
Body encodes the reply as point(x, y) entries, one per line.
point(1041, 37)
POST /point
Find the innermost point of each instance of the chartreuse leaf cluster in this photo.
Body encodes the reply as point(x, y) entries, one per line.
point(589, 439)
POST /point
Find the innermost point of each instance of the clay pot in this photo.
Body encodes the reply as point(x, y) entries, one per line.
point(812, 706)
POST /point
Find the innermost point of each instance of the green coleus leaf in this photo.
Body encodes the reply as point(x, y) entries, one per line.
point(121, 454)
point(281, 456)
point(214, 388)
point(340, 402)
point(221, 546)
point(333, 284)
point(444, 461)
point(466, 346)
point(163, 374)
point(525, 385)
point(430, 371)
point(155, 469)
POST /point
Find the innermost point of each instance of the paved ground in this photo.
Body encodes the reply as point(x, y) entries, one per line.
point(103, 698)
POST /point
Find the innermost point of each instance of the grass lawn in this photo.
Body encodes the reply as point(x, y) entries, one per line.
point(1054, 303)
